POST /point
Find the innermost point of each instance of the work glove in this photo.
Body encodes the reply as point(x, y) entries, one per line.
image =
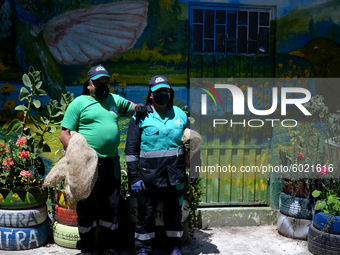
point(193, 180)
point(138, 187)
point(140, 109)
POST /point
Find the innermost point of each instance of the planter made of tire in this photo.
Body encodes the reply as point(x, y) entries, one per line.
point(23, 218)
point(326, 222)
point(293, 227)
point(22, 198)
point(66, 216)
point(65, 236)
point(24, 238)
point(321, 243)
point(300, 188)
point(132, 206)
point(296, 207)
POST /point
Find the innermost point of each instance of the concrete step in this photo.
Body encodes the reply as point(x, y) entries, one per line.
point(210, 217)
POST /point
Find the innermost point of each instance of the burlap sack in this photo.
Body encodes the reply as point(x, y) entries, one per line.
point(192, 141)
point(78, 168)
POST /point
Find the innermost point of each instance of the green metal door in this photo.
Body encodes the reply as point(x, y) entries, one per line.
point(225, 42)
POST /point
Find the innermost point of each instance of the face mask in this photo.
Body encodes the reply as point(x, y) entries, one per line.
point(101, 92)
point(161, 98)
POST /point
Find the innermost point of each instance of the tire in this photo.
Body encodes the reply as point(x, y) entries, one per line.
point(21, 198)
point(293, 227)
point(65, 236)
point(65, 216)
point(23, 218)
point(24, 238)
point(326, 222)
point(321, 243)
point(296, 207)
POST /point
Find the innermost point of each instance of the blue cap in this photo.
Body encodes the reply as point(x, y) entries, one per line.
point(157, 82)
point(97, 72)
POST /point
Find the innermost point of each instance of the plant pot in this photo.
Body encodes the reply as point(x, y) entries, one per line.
point(326, 222)
point(65, 216)
point(300, 188)
point(22, 198)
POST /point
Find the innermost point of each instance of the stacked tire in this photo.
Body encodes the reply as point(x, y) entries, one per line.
point(23, 220)
point(295, 216)
point(65, 227)
point(324, 234)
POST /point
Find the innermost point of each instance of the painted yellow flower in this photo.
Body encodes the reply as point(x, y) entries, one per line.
point(294, 67)
point(314, 129)
point(1, 196)
point(279, 84)
point(111, 90)
point(288, 78)
point(307, 75)
point(2, 67)
point(265, 85)
point(259, 102)
point(10, 104)
point(6, 87)
point(115, 76)
point(260, 86)
point(290, 62)
point(15, 195)
point(170, 39)
point(260, 95)
point(266, 97)
point(306, 71)
point(243, 88)
point(290, 73)
point(291, 132)
point(299, 82)
point(255, 93)
point(290, 85)
point(267, 106)
point(230, 96)
point(230, 79)
point(304, 85)
point(122, 85)
point(280, 66)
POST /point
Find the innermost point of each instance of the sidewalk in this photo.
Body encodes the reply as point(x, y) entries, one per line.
point(224, 241)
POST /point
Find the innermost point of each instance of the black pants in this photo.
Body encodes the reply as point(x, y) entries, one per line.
point(101, 207)
point(172, 197)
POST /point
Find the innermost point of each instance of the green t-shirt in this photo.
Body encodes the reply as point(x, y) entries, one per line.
point(97, 121)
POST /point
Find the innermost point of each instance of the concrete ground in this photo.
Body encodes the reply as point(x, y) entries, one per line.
point(224, 241)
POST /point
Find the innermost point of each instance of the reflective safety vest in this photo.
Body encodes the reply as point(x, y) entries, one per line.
point(154, 150)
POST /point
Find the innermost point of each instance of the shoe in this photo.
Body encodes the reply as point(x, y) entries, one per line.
point(176, 251)
point(143, 252)
point(110, 251)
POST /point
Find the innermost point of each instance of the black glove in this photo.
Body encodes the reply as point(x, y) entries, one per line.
point(140, 109)
point(193, 180)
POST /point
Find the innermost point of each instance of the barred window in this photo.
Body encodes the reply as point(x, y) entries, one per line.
point(230, 29)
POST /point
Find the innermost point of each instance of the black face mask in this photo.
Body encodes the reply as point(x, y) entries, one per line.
point(161, 98)
point(101, 92)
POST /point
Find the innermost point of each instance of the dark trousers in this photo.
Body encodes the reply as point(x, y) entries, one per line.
point(101, 207)
point(172, 197)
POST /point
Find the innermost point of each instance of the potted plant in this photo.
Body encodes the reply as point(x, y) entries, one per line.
point(22, 167)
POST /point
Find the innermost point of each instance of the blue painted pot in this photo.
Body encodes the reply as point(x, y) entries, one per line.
point(328, 223)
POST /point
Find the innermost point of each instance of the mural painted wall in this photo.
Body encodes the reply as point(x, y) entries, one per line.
point(136, 40)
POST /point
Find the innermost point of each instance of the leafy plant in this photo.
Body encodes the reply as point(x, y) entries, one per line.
point(330, 203)
point(21, 163)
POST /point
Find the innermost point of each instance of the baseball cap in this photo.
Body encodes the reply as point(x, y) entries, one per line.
point(157, 82)
point(97, 72)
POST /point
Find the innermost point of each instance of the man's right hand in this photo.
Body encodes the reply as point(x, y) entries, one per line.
point(138, 187)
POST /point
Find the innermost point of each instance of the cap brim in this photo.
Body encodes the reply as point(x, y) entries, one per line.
point(99, 75)
point(159, 86)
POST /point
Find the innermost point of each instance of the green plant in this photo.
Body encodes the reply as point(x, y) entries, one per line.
point(21, 162)
point(330, 203)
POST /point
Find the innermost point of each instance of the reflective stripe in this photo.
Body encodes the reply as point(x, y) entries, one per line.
point(144, 237)
point(131, 158)
point(88, 229)
point(160, 154)
point(174, 233)
point(107, 224)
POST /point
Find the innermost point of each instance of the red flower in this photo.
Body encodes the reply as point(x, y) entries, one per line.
point(25, 173)
point(6, 162)
point(301, 156)
point(24, 154)
point(21, 141)
point(323, 170)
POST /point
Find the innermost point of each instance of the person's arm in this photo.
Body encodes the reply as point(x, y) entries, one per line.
point(65, 136)
point(132, 111)
point(132, 150)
